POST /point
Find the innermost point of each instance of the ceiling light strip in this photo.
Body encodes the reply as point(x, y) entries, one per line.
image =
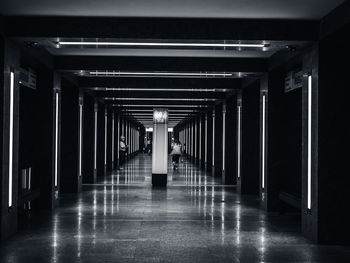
point(152, 106)
point(160, 44)
point(160, 89)
point(121, 73)
point(160, 99)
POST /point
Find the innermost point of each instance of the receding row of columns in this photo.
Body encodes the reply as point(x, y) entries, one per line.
point(204, 140)
point(249, 141)
point(53, 138)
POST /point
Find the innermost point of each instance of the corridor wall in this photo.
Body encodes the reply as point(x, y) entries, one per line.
point(249, 182)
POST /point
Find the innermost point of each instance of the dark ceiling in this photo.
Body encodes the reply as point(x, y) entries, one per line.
point(246, 9)
point(203, 61)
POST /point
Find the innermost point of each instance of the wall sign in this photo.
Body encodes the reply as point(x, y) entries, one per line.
point(293, 80)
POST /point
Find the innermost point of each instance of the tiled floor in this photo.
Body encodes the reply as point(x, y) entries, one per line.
point(193, 220)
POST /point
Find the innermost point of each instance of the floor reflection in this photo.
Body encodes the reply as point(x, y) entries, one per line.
point(139, 171)
point(193, 220)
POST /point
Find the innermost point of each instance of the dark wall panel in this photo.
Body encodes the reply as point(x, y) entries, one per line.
point(250, 139)
point(9, 61)
point(88, 139)
point(334, 139)
point(210, 142)
point(109, 140)
point(100, 140)
point(231, 141)
point(70, 139)
point(218, 141)
point(292, 130)
point(284, 129)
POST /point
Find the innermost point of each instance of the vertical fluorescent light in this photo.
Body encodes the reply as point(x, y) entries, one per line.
point(106, 119)
point(239, 141)
point(200, 140)
point(80, 137)
point(213, 153)
point(205, 138)
point(185, 131)
point(113, 138)
point(56, 139)
point(309, 141)
point(118, 138)
point(263, 142)
point(192, 140)
point(223, 135)
point(95, 141)
point(12, 91)
point(195, 140)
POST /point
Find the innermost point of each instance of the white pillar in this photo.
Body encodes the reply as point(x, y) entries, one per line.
point(160, 147)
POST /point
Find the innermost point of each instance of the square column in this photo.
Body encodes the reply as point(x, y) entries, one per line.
point(9, 116)
point(209, 142)
point(250, 140)
point(100, 140)
point(89, 139)
point(230, 142)
point(160, 148)
point(71, 138)
point(217, 142)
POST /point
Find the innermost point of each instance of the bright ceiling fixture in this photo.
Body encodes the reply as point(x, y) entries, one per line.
point(164, 74)
point(161, 89)
point(152, 106)
point(160, 99)
point(151, 110)
point(159, 44)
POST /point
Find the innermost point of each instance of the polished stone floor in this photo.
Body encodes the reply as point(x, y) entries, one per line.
point(138, 171)
point(195, 219)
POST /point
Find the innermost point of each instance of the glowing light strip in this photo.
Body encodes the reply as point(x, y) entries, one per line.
point(56, 140)
point(150, 116)
point(161, 99)
point(106, 138)
point(118, 138)
point(95, 142)
point(239, 142)
point(195, 139)
point(158, 44)
point(309, 142)
point(80, 137)
point(192, 143)
point(263, 142)
point(213, 153)
point(223, 136)
point(205, 137)
point(10, 175)
point(113, 138)
point(159, 89)
point(125, 73)
point(200, 140)
point(146, 110)
point(152, 106)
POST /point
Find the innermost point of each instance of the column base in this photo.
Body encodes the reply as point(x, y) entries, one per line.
point(159, 180)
